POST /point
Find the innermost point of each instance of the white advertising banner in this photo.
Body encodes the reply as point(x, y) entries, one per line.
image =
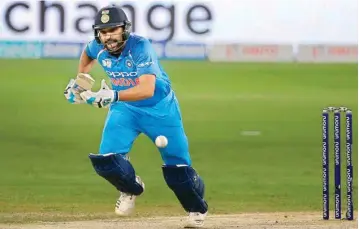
point(328, 53)
point(207, 21)
point(251, 53)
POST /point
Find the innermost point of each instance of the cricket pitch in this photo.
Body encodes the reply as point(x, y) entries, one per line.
point(302, 220)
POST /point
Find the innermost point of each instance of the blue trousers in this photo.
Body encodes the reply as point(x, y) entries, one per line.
point(125, 122)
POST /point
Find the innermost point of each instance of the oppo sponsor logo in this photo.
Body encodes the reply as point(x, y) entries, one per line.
point(121, 74)
point(77, 17)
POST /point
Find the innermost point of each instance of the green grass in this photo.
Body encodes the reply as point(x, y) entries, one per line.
point(45, 141)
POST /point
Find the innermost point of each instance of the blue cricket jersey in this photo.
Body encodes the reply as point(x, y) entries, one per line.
point(137, 58)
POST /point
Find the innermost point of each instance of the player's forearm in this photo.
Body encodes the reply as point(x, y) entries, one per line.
point(85, 64)
point(145, 89)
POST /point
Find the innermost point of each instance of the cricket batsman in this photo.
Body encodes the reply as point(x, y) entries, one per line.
point(140, 100)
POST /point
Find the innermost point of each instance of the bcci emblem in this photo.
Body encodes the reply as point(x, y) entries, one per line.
point(129, 64)
point(105, 17)
point(106, 63)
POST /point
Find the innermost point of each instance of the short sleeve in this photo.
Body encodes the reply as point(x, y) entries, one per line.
point(92, 49)
point(145, 58)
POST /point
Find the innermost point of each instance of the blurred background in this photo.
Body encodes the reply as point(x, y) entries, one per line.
point(252, 78)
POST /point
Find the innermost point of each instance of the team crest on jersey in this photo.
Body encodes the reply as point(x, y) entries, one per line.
point(107, 63)
point(129, 63)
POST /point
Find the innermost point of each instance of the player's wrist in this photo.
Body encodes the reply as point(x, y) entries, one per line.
point(115, 97)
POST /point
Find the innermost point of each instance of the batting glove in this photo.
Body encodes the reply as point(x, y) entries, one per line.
point(72, 94)
point(101, 99)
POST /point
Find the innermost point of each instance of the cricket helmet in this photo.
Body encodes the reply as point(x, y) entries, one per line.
point(109, 17)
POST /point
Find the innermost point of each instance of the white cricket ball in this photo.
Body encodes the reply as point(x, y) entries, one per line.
point(161, 141)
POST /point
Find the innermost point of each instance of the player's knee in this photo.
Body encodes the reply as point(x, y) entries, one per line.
point(188, 187)
point(177, 160)
point(118, 171)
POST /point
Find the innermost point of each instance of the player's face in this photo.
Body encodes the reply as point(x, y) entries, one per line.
point(111, 38)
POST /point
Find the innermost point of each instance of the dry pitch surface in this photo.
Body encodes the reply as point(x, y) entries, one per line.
point(247, 220)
